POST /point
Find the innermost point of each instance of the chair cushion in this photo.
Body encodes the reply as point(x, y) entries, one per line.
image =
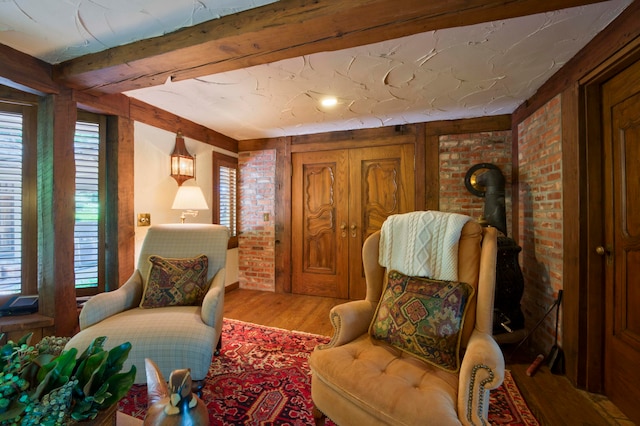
point(423, 317)
point(173, 337)
point(175, 282)
point(384, 382)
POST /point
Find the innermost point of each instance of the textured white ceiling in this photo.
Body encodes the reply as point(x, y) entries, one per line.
point(479, 70)
point(57, 30)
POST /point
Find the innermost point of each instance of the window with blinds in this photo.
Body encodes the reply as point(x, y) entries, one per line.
point(87, 224)
point(228, 199)
point(225, 194)
point(10, 202)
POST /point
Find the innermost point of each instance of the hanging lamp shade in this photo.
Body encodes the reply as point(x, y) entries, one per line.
point(183, 165)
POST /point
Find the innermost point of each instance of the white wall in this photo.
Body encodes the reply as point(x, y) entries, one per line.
point(154, 189)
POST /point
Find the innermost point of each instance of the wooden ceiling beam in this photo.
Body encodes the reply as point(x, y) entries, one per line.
point(281, 30)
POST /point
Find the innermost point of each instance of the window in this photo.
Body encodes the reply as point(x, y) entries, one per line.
point(18, 202)
point(88, 236)
point(225, 194)
point(10, 202)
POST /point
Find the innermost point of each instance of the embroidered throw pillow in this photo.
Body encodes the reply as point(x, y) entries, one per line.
point(423, 317)
point(175, 282)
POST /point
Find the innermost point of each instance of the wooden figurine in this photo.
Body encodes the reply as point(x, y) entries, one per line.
point(175, 404)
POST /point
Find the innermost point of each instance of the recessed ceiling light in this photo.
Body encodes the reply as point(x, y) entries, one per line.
point(329, 102)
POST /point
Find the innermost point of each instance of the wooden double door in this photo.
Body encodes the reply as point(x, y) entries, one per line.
point(339, 198)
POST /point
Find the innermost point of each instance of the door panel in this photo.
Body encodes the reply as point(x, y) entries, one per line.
point(382, 184)
point(320, 208)
point(621, 124)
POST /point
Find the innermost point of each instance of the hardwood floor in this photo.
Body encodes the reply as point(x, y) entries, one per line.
point(551, 397)
point(283, 310)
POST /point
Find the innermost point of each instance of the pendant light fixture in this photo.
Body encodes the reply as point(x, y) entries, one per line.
point(183, 164)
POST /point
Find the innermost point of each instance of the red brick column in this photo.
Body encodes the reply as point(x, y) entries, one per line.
point(540, 214)
point(256, 251)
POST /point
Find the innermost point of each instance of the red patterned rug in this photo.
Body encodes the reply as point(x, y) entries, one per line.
point(262, 378)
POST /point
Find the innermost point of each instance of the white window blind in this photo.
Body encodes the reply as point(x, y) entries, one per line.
point(86, 236)
point(10, 202)
point(228, 199)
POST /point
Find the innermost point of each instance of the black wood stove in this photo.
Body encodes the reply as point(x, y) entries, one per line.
point(486, 180)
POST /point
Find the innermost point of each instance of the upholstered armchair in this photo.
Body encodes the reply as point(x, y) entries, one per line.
point(359, 379)
point(170, 309)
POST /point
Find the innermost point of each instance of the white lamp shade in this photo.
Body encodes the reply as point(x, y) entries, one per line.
point(190, 198)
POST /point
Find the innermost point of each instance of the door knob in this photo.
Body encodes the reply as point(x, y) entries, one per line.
point(353, 230)
point(605, 251)
point(343, 229)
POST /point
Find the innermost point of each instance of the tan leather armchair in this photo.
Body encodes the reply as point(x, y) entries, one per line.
point(359, 381)
point(174, 337)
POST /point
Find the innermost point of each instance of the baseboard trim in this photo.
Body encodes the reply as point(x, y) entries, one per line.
point(231, 287)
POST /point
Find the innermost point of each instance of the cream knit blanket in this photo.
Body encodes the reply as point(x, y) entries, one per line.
point(423, 244)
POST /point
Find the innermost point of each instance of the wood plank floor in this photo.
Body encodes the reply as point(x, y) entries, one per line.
point(552, 398)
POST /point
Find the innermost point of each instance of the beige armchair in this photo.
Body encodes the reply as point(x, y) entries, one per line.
point(172, 336)
point(359, 380)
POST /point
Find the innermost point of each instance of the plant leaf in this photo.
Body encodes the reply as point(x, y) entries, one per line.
point(62, 365)
point(97, 345)
point(90, 371)
point(119, 384)
point(117, 357)
point(55, 373)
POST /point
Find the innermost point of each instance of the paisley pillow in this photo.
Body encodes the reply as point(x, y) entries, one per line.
point(175, 282)
point(423, 317)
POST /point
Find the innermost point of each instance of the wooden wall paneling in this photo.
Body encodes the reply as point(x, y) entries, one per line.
point(116, 104)
point(259, 144)
point(165, 120)
point(469, 125)
point(283, 216)
point(26, 73)
point(17, 96)
point(349, 139)
point(420, 172)
point(56, 125)
point(573, 221)
point(30, 183)
point(432, 172)
point(265, 34)
point(589, 365)
point(120, 217)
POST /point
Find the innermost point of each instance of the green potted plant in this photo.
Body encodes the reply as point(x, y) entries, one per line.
point(45, 385)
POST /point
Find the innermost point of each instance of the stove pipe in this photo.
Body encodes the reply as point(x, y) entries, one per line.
point(494, 203)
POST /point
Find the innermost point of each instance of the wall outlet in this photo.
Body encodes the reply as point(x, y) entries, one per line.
point(144, 219)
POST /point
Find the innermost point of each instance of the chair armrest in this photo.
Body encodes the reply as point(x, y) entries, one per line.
point(107, 304)
point(213, 302)
point(482, 369)
point(349, 320)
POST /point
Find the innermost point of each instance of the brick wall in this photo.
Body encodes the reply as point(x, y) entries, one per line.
point(540, 216)
point(256, 252)
point(457, 154)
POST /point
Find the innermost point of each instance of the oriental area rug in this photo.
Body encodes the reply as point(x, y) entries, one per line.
point(261, 377)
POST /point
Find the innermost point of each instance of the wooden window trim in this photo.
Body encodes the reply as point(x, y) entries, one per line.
point(222, 160)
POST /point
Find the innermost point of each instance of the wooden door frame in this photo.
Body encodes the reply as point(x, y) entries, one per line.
point(584, 271)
